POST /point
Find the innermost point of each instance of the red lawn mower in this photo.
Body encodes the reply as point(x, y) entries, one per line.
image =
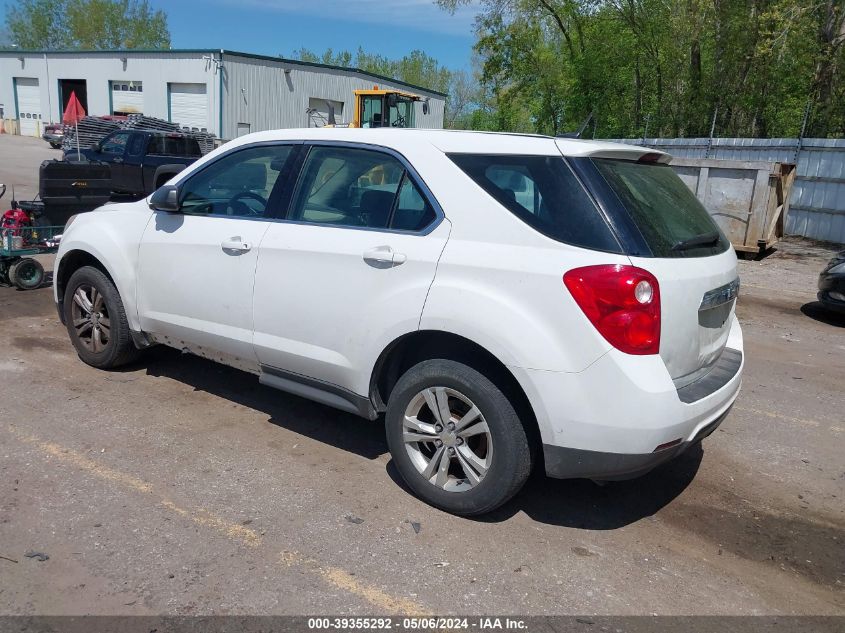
point(23, 233)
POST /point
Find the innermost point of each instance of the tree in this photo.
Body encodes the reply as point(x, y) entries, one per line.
point(664, 67)
point(86, 25)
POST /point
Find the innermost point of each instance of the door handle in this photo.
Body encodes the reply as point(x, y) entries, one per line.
point(384, 257)
point(235, 244)
point(117, 160)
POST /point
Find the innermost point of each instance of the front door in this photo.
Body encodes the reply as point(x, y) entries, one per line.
point(349, 270)
point(197, 267)
point(126, 170)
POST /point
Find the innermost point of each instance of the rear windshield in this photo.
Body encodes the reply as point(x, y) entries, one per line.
point(671, 219)
point(173, 146)
point(544, 193)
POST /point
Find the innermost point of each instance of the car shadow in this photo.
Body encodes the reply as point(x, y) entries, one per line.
point(816, 311)
point(587, 505)
point(342, 430)
point(576, 503)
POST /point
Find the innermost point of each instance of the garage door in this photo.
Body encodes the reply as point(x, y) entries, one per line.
point(29, 105)
point(189, 105)
point(127, 97)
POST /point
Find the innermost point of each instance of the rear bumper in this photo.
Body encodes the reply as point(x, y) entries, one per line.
point(611, 420)
point(574, 463)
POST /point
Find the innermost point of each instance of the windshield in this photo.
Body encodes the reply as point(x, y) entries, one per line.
point(671, 219)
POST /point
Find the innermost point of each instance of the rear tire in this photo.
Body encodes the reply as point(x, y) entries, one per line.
point(96, 320)
point(26, 273)
point(469, 464)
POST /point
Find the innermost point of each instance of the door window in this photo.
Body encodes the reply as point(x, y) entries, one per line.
point(115, 144)
point(372, 114)
point(356, 187)
point(136, 145)
point(240, 184)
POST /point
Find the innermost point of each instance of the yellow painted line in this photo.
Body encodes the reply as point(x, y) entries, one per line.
point(335, 576)
point(779, 416)
point(342, 579)
point(200, 517)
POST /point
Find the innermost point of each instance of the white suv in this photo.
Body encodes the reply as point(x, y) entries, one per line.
point(504, 300)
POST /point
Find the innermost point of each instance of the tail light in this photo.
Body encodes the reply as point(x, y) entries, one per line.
point(622, 302)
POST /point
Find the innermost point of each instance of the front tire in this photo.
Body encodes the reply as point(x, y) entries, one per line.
point(456, 439)
point(96, 320)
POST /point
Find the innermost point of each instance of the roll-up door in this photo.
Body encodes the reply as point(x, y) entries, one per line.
point(29, 105)
point(127, 97)
point(189, 105)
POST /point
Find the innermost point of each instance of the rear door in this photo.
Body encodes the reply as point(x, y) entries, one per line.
point(677, 241)
point(350, 267)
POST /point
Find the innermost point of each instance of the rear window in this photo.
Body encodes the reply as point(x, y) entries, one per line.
point(173, 146)
point(671, 219)
point(544, 193)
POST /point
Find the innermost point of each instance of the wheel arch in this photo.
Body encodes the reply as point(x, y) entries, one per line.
point(415, 347)
point(70, 262)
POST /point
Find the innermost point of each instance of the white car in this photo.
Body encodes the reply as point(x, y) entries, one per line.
point(503, 300)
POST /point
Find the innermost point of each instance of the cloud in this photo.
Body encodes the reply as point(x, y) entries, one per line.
point(423, 15)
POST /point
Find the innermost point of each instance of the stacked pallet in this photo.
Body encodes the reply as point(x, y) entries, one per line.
point(92, 129)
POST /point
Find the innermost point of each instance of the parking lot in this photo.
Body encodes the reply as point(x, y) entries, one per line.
point(180, 486)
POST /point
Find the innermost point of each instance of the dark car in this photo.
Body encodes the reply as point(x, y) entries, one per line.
point(832, 284)
point(53, 134)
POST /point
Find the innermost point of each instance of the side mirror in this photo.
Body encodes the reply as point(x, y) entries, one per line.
point(165, 198)
point(392, 100)
point(425, 106)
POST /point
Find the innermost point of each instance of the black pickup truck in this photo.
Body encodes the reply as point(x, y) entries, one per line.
point(140, 160)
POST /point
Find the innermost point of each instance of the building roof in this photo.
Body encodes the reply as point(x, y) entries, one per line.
point(176, 51)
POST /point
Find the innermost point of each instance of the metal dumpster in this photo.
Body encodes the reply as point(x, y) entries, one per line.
point(748, 199)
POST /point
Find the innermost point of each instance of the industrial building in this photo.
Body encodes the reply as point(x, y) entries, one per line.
point(222, 92)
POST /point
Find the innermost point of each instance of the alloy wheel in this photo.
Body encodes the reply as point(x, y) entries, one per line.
point(447, 439)
point(91, 318)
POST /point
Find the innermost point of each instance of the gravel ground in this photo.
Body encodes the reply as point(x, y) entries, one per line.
point(180, 486)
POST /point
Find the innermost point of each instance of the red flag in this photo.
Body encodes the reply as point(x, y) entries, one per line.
point(74, 110)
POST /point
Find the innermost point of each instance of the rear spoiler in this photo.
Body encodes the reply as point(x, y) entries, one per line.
point(618, 151)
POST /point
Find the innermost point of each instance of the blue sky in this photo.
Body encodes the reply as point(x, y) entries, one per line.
point(274, 27)
point(280, 27)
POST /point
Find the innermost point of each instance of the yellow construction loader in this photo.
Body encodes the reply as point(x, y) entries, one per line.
point(382, 108)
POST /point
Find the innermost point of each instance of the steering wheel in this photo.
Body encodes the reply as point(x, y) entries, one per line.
point(243, 208)
point(399, 121)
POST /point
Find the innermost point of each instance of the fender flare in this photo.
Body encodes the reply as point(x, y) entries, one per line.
point(169, 170)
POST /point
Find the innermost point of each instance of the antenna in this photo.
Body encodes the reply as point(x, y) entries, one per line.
point(581, 128)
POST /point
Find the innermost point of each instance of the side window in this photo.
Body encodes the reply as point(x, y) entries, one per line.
point(136, 145)
point(347, 187)
point(413, 212)
point(516, 183)
point(238, 184)
point(543, 192)
point(116, 144)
